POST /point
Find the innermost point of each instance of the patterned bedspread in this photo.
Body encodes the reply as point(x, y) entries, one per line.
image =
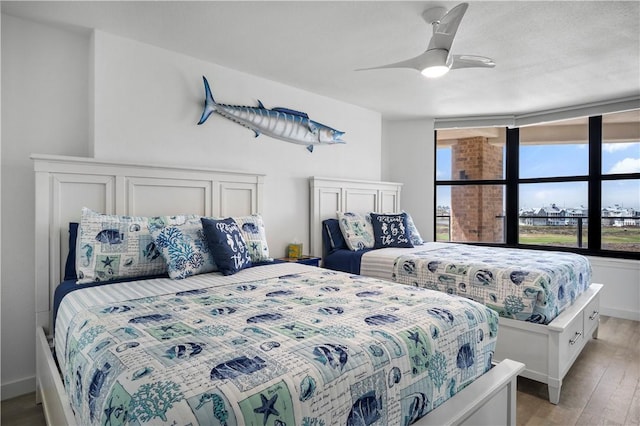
point(520, 284)
point(314, 347)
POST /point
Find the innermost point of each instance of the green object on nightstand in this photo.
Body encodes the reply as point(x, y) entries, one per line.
point(294, 251)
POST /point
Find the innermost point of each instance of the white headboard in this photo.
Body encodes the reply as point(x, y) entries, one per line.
point(330, 195)
point(66, 184)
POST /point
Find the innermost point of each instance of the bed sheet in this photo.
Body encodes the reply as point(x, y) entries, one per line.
point(277, 345)
point(379, 263)
point(520, 284)
point(345, 260)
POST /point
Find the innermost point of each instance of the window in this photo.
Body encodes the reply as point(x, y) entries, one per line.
point(620, 221)
point(569, 185)
point(470, 170)
point(470, 213)
point(545, 149)
point(553, 214)
point(620, 200)
point(553, 175)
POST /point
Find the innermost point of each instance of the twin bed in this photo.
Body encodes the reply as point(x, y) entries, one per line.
point(547, 304)
point(274, 344)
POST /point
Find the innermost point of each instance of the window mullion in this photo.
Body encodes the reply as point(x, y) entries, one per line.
point(512, 208)
point(594, 231)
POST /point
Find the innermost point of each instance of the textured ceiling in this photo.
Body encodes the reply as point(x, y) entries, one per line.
point(549, 54)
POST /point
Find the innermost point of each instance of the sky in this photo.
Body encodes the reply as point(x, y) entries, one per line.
point(564, 160)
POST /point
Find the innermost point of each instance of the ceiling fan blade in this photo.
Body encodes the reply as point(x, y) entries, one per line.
point(413, 63)
point(451, 20)
point(445, 29)
point(470, 61)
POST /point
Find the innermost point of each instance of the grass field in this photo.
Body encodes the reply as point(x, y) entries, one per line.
point(613, 238)
point(564, 236)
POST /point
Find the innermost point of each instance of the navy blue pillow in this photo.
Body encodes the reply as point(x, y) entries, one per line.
point(333, 231)
point(70, 265)
point(226, 244)
point(390, 230)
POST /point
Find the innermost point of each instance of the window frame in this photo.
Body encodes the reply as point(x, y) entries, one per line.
point(512, 181)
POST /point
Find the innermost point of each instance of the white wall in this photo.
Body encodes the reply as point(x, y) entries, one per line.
point(0, 193)
point(408, 157)
point(148, 101)
point(76, 94)
point(621, 293)
point(44, 99)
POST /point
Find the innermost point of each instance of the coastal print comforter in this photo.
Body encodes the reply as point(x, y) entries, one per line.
point(520, 284)
point(295, 346)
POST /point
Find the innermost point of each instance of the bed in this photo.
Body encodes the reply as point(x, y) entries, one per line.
point(274, 341)
point(547, 332)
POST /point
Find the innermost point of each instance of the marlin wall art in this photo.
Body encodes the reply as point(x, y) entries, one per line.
point(280, 123)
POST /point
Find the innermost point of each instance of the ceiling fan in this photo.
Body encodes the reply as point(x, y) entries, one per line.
point(437, 60)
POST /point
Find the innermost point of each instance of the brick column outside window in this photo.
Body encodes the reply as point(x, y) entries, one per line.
point(477, 210)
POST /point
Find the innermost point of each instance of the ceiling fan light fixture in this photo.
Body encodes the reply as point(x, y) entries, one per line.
point(435, 71)
point(435, 63)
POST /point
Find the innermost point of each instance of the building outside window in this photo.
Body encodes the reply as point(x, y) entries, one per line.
point(558, 172)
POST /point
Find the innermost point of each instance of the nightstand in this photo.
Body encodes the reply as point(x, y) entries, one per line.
point(306, 260)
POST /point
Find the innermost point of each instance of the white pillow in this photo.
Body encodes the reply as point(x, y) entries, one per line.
point(254, 234)
point(356, 229)
point(414, 235)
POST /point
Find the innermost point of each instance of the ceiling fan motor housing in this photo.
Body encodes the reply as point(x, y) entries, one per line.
point(434, 63)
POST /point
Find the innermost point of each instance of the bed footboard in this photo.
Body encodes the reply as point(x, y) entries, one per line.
point(489, 400)
point(49, 388)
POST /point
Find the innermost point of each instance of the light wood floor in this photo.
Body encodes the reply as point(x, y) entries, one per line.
point(602, 387)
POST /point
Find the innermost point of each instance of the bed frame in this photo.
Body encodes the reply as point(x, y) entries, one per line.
point(66, 184)
point(548, 351)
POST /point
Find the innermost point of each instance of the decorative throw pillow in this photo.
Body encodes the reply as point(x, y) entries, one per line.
point(111, 247)
point(227, 245)
point(70, 264)
point(356, 230)
point(332, 229)
point(253, 232)
point(390, 230)
point(183, 245)
point(414, 235)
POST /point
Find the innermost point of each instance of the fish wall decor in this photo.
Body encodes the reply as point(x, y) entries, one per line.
point(280, 123)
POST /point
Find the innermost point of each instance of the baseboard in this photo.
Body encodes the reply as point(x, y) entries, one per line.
point(17, 388)
point(620, 313)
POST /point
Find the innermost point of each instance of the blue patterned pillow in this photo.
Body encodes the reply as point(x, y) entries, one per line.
point(252, 230)
point(414, 235)
point(390, 230)
point(111, 247)
point(356, 230)
point(183, 245)
point(227, 245)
